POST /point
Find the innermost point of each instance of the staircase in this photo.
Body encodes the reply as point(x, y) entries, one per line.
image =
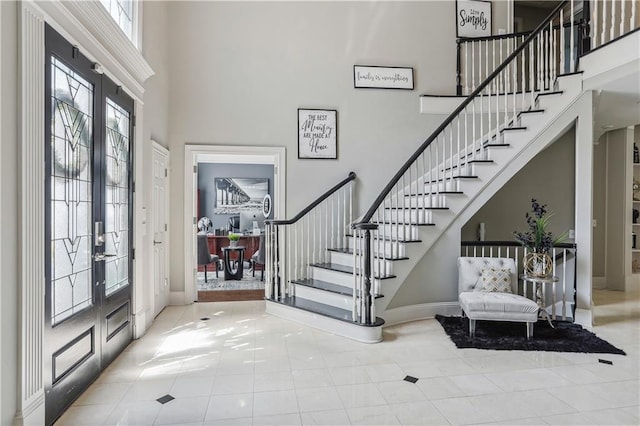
point(340, 275)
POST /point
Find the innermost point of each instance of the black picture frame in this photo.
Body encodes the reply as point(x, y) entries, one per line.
point(383, 77)
point(317, 134)
point(482, 5)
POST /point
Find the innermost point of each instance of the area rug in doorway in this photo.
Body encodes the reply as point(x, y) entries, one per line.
point(507, 336)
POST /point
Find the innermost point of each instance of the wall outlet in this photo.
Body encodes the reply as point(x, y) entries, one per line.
point(572, 234)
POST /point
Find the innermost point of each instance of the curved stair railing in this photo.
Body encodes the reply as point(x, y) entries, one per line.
point(455, 149)
point(292, 246)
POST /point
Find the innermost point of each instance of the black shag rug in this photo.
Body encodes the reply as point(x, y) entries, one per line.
point(508, 336)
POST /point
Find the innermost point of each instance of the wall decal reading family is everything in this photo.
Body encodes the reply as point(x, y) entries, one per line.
point(317, 133)
point(473, 18)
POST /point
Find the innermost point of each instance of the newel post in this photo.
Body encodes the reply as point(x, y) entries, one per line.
point(365, 281)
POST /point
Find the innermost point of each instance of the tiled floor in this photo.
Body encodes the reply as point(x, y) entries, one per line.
point(245, 367)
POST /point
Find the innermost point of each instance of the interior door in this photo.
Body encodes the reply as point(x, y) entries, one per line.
point(159, 223)
point(88, 217)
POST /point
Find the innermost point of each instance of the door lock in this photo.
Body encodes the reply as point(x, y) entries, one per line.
point(98, 232)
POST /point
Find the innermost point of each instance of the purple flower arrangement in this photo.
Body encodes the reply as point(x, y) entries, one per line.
point(537, 239)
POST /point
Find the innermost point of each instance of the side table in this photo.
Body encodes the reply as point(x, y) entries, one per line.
point(231, 273)
point(538, 292)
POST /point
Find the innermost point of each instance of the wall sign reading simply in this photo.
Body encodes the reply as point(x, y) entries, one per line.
point(373, 77)
point(473, 18)
point(317, 133)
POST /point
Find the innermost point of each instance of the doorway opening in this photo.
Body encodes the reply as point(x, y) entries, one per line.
point(225, 187)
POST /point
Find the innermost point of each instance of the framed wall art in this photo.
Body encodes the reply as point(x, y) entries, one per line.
point(473, 18)
point(376, 77)
point(317, 133)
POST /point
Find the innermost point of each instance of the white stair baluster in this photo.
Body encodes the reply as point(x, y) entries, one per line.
point(623, 12)
point(612, 30)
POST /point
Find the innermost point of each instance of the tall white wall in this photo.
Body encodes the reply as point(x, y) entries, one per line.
point(240, 70)
point(599, 207)
point(617, 214)
point(155, 127)
point(9, 369)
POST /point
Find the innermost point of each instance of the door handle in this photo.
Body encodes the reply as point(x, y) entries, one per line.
point(155, 243)
point(100, 257)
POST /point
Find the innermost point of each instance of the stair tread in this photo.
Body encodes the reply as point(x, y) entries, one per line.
point(515, 128)
point(454, 177)
point(531, 111)
point(553, 92)
point(350, 251)
point(324, 310)
point(391, 239)
point(435, 193)
point(416, 208)
point(403, 223)
point(346, 269)
point(327, 286)
point(324, 285)
point(462, 164)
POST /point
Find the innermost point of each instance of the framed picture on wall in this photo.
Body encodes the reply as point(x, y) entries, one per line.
point(235, 195)
point(317, 133)
point(473, 18)
point(377, 77)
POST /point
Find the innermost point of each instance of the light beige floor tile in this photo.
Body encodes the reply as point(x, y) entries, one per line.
point(276, 402)
point(378, 415)
point(318, 399)
point(400, 391)
point(362, 395)
point(183, 411)
point(229, 407)
point(139, 413)
point(190, 386)
point(278, 420)
point(311, 378)
point(325, 418)
point(232, 384)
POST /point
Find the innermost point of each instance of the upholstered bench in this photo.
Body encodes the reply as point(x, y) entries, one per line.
point(475, 275)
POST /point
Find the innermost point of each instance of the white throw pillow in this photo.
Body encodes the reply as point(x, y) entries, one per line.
point(496, 280)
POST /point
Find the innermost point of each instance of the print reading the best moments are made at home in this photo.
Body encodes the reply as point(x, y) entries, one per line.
point(317, 134)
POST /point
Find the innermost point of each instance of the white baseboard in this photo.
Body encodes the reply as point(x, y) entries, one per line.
point(599, 283)
point(584, 317)
point(177, 298)
point(33, 412)
point(330, 325)
point(139, 324)
point(419, 312)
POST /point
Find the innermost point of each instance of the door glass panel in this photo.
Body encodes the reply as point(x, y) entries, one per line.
point(117, 197)
point(71, 197)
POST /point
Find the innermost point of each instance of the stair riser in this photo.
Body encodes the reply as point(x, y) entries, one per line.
point(412, 215)
point(427, 201)
point(549, 102)
point(340, 328)
point(347, 260)
point(386, 247)
point(406, 232)
point(322, 296)
point(530, 120)
point(446, 185)
point(571, 83)
point(334, 277)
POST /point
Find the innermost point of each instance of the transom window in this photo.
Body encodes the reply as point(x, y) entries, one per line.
point(122, 12)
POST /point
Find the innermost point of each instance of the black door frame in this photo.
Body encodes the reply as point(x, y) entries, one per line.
point(92, 323)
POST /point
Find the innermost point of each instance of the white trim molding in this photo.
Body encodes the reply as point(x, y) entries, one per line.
point(194, 154)
point(31, 268)
point(89, 25)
